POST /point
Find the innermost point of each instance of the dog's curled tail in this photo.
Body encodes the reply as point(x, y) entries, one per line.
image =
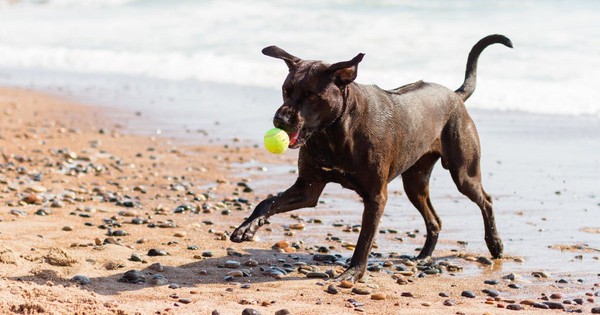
point(468, 87)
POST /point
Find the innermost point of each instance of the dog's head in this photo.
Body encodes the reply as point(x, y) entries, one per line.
point(313, 94)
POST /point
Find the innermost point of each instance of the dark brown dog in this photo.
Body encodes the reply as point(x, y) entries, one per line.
point(362, 137)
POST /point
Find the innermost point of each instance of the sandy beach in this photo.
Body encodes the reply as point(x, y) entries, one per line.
point(84, 195)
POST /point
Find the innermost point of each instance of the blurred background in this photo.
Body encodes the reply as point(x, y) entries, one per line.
point(194, 64)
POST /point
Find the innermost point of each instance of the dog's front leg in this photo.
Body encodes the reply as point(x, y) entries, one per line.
point(370, 220)
point(302, 194)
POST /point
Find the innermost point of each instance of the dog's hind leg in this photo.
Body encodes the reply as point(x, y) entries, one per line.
point(461, 154)
point(416, 186)
point(302, 194)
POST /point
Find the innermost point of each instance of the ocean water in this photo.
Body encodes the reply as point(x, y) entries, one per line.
point(196, 45)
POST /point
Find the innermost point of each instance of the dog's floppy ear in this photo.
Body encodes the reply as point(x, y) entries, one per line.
point(345, 72)
point(276, 52)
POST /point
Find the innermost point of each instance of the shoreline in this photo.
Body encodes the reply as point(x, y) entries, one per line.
point(90, 163)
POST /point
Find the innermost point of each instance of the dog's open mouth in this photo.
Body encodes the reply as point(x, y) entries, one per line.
point(297, 138)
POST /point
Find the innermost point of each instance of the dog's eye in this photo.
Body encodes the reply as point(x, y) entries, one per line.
point(311, 97)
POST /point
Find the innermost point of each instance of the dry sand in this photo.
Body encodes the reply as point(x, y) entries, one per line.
point(79, 166)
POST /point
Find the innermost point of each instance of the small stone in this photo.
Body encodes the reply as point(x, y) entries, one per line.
point(297, 226)
point(232, 264)
point(235, 273)
point(67, 228)
point(360, 291)
point(556, 296)
point(250, 311)
point(82, 280)
point(135, 257)
point(33, 199)
point(540, 305)
point(133, 276)
point(185, 301)
point(378, 296)
point(346, 284)
point(426, 304)
point(283, 312)
point(158, 279)
point(514, 307)
point(251, 263)
point(449, 303)
point(491, 282)
point(514, 286)
point(555, 305)
point(491, 293)
point(282, 244)
point(207, 254)
point(157, 252)
point(596, 310)
point(321, 275)
point(173, 286)
point(407, 294)
point(180, 234)
point(468, 294)
point(332, 289)
point(485, 261)
point(157, 267)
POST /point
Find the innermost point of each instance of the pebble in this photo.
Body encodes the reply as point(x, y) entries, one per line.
point(332, 289)
point(251, 263)
point(185, 301)
point(250, 311)
point(32, 199)
point(157, 267)
point(514, 307)
point(540, 305)
point(491, 293)
point(321, 275)
point(133, 276)
point(556, 296)
point(136, 257)
point(555, 305)
point(158, 279)
point(180, 234)
point(346, 284)
point(468, 294)
point(43, 212)
point(407, 294)
point(157, 252)
point(232, 264)
point(235, 273)
point(173, 286)
point(361, 291)
point(426, 304)
point(297, 226)
point(596, 310)
point(283, 312)
point(514, 286)
point(449, 302)
point(378, 296)
point(207, 254)
point(485, 261)
point(491, 282)
point(67, 228)
point(82, 280)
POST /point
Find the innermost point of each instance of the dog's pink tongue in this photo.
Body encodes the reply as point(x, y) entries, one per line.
point(294, 137)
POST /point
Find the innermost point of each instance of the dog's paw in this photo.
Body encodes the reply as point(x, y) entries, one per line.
point(353, 273)
point(246, 231)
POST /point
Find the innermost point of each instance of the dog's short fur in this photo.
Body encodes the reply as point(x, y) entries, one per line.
point(362, 137)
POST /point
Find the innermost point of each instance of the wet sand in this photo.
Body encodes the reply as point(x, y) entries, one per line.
point(108, 194)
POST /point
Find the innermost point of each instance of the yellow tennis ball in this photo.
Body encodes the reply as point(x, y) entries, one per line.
point(276, 141)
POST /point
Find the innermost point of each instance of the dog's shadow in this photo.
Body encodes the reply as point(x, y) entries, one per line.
point(195, 274)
